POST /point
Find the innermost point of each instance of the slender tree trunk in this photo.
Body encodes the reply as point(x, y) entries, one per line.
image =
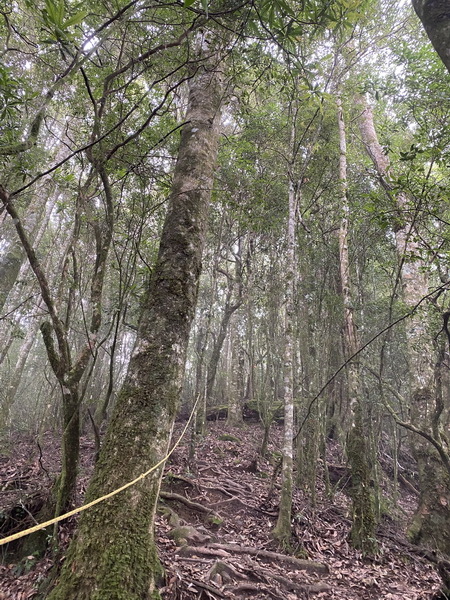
point(32, 329)
point(201, 379)
point(10, 265)
point(282, 531)
point(36, 219)
point(228, 312)
point(198, 427)
point(102, 407)
point(200, 391)
point(114, 556)
point(363, 524)
point(68, 371)
point(234, 415)
point(250, 386)
point(13, 385)
point(235, 387)
point(66, 482)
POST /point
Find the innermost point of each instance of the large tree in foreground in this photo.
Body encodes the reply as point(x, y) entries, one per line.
point(114, 555)
point(435, 17)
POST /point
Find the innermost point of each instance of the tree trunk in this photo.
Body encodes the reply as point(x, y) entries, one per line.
point(240, 383)
point(101, 411)
point(234, 413)
point(363, 523)
point(10, 265)
point(64, 488)
point(114, 556)
point(200, 395)
point(14, 382)
point(282, 531)
point(13, 255)
point(435, 17)
point(228, 312)
point(431, 523)
point(236, 383)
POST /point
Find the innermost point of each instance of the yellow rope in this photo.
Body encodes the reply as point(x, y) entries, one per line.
point(26, 532)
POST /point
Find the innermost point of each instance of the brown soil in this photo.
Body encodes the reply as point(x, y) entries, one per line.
point(214, 527)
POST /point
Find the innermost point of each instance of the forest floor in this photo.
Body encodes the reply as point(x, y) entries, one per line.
point(215, 521)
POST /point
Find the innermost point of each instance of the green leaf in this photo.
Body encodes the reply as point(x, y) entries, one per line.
point(54, 12)
point(61, 11)
point(188, 3)
point(271, 15)
point(284, 8)
point(50, 10)
point(78, 18)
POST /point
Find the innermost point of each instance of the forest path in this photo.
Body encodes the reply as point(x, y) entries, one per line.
point(233, 482)
point(215, 521)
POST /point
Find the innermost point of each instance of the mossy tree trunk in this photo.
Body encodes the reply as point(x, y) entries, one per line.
point(431, 522)
point(114, 555)
point(66, 483)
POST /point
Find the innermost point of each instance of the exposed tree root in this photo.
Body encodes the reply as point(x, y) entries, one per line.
point(209, 588)
point(224, 550)
point(256, 588)
point(196, 551)
point(194, 505)
point(295, 563)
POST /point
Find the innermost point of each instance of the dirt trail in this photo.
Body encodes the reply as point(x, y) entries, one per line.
point(214, 525)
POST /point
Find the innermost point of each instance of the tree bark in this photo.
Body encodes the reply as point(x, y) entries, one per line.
point(435, 17)
point(282, 531)
point(363, 523)
point(13, 256)
point(114, 555)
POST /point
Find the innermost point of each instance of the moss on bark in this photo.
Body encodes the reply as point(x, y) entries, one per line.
point(431, 522)
point(114, 555)
point(122, 558)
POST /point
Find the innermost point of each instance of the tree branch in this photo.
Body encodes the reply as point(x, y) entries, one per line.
point(409, 426)
point(40, 276)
